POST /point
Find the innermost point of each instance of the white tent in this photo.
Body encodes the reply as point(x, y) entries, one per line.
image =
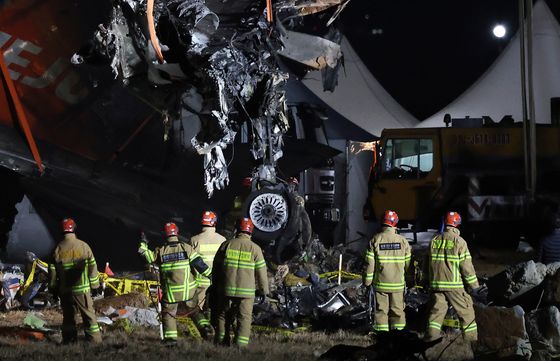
point(359, 97)
point(498, 91)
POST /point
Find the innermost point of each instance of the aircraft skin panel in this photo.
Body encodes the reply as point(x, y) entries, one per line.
point(38, 39)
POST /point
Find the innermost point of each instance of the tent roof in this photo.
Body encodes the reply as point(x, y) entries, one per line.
point(498, 91)
point(359, 97)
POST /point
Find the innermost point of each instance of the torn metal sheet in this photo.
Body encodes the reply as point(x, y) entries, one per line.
point(309, 7)
point(329, 75)
point(195, 23)
point(215, 166)
point(311, 50)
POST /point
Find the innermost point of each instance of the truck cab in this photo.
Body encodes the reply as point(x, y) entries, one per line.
point(409, 172)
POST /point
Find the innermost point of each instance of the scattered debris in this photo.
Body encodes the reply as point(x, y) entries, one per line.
point(501, 331)
point(33, 321)
point(146, 317)
point(133, 299)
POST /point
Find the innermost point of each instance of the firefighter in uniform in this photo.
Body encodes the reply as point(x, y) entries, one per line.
point(206, 244)
point(450, 269)
point(239, 274)
point(178, 265)
point(387, 260)
point(72, 276)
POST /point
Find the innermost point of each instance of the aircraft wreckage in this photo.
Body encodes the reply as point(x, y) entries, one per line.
point(210, 71)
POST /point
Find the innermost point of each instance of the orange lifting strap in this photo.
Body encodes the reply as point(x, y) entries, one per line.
point(20, 113)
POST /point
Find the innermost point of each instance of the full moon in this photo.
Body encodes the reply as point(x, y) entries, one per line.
point(499, 31)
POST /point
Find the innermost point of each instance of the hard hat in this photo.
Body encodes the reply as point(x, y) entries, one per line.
point(68, 225)
point(246, 225)
point(247, 182)
point(209, 218)
point(171, 229)
point(390, 218)
point(453, 219)
point(293, 180)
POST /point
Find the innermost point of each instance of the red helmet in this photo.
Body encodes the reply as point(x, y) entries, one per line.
point(293, 180)
point(171, 229)
point(246, 225)
point(453, 219)
point(68, 225)
point(209, 218)
point(247, 182)
point(390, 218)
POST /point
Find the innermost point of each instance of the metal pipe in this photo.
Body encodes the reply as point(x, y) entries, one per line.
point(532, 149)
point(521, 5)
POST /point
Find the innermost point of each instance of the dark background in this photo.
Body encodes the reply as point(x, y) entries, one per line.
point(430, 51)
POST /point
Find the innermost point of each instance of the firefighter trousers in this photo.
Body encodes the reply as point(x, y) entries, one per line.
point(200, 310)
point(235, 309)
point(389, 311)
point(73, 304)
point(169, 320)
point(462, 303)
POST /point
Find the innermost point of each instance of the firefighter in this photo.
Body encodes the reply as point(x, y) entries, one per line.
point(387, 260)
point(179, 266)
point(239, 275)
point(206, 244)
point(450, 269)
point(72, 277)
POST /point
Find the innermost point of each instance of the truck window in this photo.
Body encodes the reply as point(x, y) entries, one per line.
point(407, 158)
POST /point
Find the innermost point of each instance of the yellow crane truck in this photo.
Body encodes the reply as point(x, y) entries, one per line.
point(478, 171)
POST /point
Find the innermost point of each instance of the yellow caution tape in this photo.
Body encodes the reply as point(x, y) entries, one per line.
point(191, 327)
point(343, 274)
point(284, 331)
point(122, 286)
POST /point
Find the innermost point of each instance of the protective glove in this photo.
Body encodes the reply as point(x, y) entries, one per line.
point(96, 292)
point(260, 297)
point(142, 248)
point(479, 294)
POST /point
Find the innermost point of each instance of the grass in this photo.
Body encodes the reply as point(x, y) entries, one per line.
point(144, 344)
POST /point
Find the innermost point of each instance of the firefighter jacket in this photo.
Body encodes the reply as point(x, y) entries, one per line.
point(178, 265)
point(239, 266)
point(206, 244)
point(450, 263)
point(387, 260)
point(74, 270)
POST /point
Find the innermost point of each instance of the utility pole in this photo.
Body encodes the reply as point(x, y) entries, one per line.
point(527, 95)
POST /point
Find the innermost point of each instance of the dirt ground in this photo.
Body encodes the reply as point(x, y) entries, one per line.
point(491, 261)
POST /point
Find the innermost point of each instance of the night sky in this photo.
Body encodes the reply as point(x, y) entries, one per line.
point(429, 51)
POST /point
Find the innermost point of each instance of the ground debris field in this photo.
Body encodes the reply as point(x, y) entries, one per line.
point(127, 342)
point(144, 344)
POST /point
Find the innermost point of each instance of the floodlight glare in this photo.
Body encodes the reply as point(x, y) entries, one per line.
point(499, 31)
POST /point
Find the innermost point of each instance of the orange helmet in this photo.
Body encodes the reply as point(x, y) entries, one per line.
point(171, 229)
point(390, 218)
point(209, 218)
point(452, 219)
point(246, 225)
point(68, 225)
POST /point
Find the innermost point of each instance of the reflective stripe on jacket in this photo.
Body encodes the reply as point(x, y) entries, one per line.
point(387, 260)
point(207, 244)
point(450, 262)
point(74, 269)
point(177, 273)
point(240, 268)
